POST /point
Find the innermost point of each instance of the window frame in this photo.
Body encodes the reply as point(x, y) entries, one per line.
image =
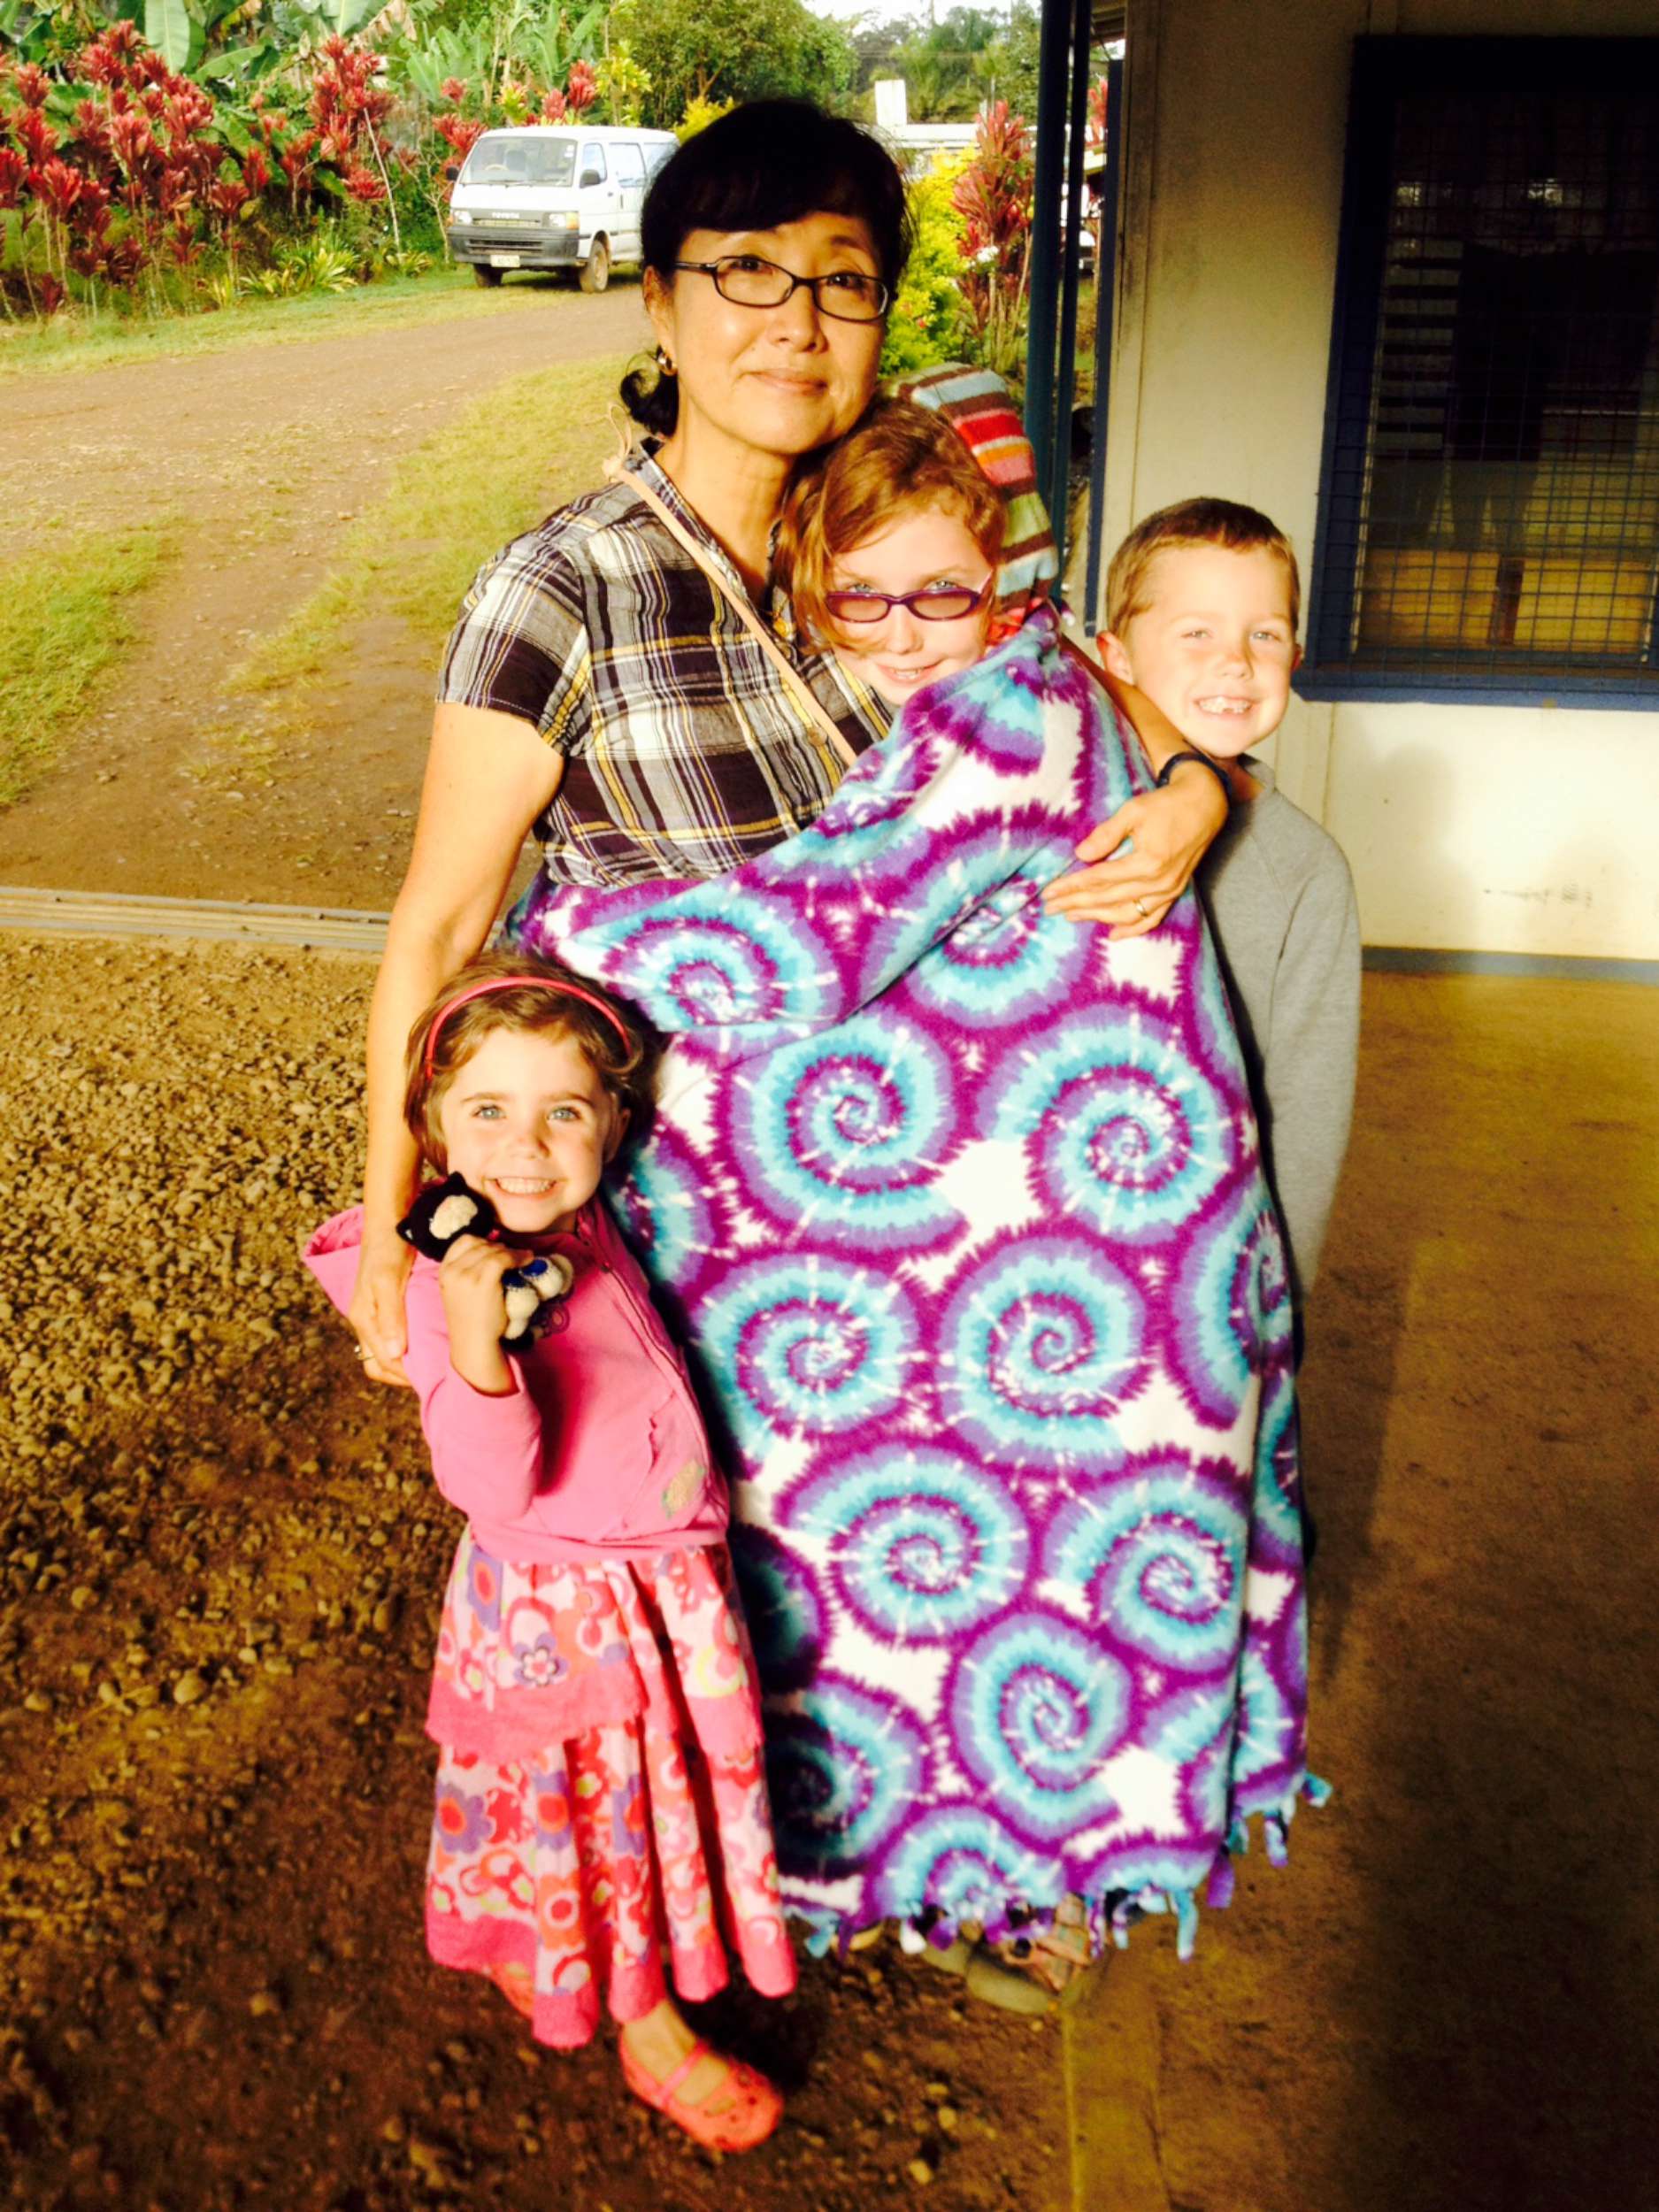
point(1384, 68)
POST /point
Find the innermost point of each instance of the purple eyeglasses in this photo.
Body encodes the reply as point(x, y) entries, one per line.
point(934, 603)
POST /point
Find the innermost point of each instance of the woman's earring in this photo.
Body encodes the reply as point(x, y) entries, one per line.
point(664, 366)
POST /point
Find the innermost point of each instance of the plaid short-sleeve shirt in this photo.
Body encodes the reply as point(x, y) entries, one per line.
point(684, 755)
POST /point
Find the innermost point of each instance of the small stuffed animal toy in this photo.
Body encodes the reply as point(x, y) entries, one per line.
point(453, 1209)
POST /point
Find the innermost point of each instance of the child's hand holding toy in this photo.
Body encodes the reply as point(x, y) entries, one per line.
point(493, 1295)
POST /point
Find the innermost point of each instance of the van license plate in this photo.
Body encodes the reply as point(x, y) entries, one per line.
point(506, 260)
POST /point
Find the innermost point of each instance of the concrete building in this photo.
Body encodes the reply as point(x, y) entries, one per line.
point(1476, 724)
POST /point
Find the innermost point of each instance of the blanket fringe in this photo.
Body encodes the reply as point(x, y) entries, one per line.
point(1111, 1915)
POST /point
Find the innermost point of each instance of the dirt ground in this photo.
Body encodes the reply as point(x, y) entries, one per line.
point(219, 1556)
point(261, 459)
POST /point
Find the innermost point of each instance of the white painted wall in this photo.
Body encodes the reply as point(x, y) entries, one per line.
point(1468, 827)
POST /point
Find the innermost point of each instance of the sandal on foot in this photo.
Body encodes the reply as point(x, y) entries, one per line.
point(1033, 1973)
point(1006, 1983)
point(517, 1986)
point(736, 2114)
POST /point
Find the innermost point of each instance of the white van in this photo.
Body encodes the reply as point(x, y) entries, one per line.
point(555, 195)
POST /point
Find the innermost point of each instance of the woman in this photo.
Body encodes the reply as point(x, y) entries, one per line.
point(602, 687)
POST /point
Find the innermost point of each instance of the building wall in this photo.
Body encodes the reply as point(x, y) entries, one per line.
point(1476, 828)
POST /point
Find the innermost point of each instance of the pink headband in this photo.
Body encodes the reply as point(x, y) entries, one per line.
point(517, 983)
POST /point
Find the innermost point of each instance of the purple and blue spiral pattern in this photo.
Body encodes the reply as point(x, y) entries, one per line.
point(665, 1208)
point(1277, 1481)
point(1037, 1706)
point(1002, 967)
point(1126, 1133)
point(1232, 1306)
point(808, 1344)
point(852, 1128)
point(844, 1768)
point(1160, 1558)
point(785, 1615)
point(961, 1209)
point(704, 961)
point(921, 1545)
point(1044, 1341)
point(965, 1862)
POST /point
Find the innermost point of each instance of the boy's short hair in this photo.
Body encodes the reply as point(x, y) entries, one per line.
point(899, 456)
point(1223, 522)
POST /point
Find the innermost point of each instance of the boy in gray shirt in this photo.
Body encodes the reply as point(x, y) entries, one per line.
point(1202, 601)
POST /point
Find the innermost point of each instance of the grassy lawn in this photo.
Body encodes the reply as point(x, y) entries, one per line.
point(393, 303)
point(523, 449)
point(64, 617)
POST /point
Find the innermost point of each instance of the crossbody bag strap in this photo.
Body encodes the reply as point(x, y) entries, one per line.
point(794, 682)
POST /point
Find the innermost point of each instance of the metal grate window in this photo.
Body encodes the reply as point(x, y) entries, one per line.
point(1489, 513)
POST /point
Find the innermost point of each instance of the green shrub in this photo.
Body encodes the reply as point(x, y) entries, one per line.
point(924, 324)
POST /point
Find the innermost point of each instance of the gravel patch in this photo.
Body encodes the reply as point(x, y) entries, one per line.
point(220, 1560)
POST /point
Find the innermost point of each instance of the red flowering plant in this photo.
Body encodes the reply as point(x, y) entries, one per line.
point(992, 196)
point(116, 168)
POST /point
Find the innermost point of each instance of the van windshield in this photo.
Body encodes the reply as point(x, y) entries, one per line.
point(507, 157)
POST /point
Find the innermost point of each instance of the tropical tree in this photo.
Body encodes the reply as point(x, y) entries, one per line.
point(939, 63)
point(733, 49)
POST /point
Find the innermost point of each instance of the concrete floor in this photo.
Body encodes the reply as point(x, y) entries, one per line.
point(1448, 2002)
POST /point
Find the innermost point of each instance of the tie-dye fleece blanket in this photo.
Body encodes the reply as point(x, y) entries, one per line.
point(961, 1211)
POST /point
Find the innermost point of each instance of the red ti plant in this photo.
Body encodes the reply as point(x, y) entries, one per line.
point(582, 89)
point(992, 196)
point(1096, 129)
point(348, 103)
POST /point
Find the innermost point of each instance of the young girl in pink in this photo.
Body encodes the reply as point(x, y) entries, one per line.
point(601, 1805)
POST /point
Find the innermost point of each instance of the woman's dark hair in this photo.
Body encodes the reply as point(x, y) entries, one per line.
point(767, 162)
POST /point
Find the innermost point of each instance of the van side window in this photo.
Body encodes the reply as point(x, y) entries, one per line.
point(625, 161)
point(592, 165)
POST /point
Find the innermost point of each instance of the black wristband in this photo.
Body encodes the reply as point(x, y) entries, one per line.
point(1214, 767)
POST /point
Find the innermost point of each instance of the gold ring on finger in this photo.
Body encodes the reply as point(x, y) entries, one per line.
point(1144, 908)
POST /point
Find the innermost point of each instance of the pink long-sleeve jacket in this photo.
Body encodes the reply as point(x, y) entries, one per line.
point(599, 1451)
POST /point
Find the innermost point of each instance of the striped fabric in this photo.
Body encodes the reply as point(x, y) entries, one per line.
point(976, 405)
point(683, 755)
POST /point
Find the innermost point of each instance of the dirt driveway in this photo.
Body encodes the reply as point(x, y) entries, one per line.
point(261, 459)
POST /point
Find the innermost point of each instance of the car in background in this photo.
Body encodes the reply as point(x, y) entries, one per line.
point(554, 196)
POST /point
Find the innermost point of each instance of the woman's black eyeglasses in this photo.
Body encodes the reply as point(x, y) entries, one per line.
point(934, 603)
point(847, 294)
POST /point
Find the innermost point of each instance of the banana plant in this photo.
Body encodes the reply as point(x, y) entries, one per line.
point(459, 51)
point(548, 45)
point(323, 18)
point(241, 67)
point(180, 30)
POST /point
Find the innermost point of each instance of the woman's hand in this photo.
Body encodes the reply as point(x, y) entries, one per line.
point(1173, 830)
point(1172, 827)
point(376, 1311)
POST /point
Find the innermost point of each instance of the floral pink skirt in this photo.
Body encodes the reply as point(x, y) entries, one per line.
point(602, 1824)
